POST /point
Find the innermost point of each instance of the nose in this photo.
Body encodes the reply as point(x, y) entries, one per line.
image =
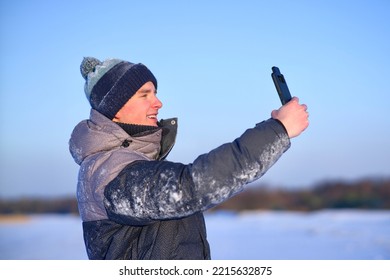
point(157, 104)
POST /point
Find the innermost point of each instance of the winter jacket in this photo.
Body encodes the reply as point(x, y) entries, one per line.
point(135, 205)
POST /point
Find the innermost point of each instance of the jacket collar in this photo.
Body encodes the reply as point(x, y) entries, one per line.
point(168, 139)
point(98, 134)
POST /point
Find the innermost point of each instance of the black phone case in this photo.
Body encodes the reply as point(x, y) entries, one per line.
point(281, 85)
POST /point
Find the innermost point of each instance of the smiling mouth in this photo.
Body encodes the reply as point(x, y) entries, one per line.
point(152, 117)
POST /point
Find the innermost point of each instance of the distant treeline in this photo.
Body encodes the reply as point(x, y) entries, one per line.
point(62, 205)
point(363, 194)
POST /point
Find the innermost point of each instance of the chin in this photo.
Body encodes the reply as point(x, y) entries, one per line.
point(152, 124)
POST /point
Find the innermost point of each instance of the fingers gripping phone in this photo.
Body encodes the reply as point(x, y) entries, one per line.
point(281, 85)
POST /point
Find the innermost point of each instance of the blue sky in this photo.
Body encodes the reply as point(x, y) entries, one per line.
point(213, 62)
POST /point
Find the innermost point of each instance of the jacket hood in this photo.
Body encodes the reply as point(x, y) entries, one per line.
point(99, 134)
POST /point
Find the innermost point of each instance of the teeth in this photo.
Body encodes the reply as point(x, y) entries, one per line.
point(152, 117)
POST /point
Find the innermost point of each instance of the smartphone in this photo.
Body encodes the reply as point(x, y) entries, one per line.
point(281, 85)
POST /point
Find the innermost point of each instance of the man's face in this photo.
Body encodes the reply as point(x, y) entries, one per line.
point(142, 108)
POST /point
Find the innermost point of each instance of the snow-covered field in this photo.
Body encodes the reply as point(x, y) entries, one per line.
point(322, 235)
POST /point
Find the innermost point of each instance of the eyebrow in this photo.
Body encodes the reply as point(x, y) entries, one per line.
point(147, 91)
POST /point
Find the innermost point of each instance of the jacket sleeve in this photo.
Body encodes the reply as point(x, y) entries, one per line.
point(146, 191)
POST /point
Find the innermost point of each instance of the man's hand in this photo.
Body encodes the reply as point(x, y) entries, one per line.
point(294, 117)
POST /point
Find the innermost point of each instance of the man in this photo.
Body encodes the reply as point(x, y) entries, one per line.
point(136, 205)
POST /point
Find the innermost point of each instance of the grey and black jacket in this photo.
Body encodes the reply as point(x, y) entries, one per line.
point(134, 204)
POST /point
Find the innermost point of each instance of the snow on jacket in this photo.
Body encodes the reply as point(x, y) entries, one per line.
point(134, 205)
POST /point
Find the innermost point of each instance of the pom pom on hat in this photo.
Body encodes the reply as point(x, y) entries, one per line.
point(88, 65)
point(111, 83)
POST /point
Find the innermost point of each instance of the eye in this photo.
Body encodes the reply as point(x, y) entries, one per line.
point(143, 94)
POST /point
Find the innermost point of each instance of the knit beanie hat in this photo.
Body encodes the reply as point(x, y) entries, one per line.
point(111, 83)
